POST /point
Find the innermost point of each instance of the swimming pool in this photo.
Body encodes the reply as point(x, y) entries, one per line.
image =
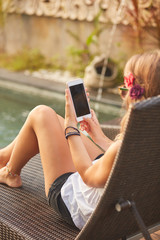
point(17, 100)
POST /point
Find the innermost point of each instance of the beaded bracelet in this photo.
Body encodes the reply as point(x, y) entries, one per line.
point(71, 133)
point(10, 173)
point(72, 128)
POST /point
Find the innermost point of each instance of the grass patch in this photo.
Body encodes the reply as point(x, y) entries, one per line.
point(27, 59)
point(31, 60)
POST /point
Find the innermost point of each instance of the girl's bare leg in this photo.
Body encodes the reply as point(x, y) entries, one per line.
point(43, 132)
point(5, 154)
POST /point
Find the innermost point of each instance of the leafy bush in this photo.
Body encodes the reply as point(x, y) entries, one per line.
point(25, 59)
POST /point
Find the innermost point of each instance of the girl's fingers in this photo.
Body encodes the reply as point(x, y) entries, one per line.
point(66, 93)
point(87, 93)
point(84, 126)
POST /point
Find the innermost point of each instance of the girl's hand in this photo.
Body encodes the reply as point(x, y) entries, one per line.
point(92, 127)
point(70, 119)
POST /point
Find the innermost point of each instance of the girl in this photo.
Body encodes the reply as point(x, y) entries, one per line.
point(73, 181)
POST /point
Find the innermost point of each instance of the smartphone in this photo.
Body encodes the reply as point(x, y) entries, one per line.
point(79, 99)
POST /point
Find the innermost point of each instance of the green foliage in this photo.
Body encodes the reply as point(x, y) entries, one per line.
point(81, 56)
point(119, 79)
point(120, 63)
point(31, 60)
point(26, 59)
point(78, 59)
point(56, 63)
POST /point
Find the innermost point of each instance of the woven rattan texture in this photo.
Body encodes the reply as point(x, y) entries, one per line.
point(24, 212)
point(135, 176)
point(111, 131)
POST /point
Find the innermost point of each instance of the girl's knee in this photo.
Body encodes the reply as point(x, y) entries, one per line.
point(42, 113)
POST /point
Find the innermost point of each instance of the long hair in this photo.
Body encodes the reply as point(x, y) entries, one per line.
point(146, 70)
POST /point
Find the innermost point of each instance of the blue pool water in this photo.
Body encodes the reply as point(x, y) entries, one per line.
point(17, 101)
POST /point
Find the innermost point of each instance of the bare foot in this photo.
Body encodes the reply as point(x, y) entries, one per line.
point(11, 181)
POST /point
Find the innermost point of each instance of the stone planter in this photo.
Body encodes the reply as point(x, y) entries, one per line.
point(93, 73)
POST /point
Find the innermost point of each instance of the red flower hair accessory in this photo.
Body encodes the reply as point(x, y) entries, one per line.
point(135, 90)
point(129, 80)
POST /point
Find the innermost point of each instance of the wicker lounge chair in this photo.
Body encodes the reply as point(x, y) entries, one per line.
point(24, 213)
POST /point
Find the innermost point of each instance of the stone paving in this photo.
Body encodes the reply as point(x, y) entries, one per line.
point(55, 82)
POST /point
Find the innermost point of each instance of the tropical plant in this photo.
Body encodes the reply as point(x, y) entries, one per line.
point(142, 25)
point(82, 55)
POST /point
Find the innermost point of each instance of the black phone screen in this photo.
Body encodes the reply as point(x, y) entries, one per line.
point(79, 100)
